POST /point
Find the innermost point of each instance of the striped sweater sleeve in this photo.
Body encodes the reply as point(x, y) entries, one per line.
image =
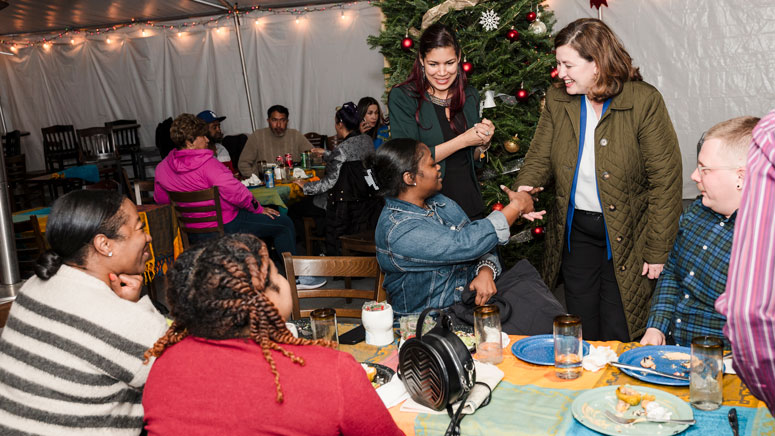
point(71, 358)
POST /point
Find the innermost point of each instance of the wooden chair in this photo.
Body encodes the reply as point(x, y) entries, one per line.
point(30, 244)
point(97, 144)
point(12, 143)
point(358, 243)
point(181, 205)
point(22, 193)
point(140, 187)
point(316, 139)
point(126, 137)
point(309, 235)
point(344, 266)
point(60, 147)
point(332, 142)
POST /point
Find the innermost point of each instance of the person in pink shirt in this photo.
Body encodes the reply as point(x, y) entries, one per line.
point(749, 300)
point(229, 365)
point(191, 166)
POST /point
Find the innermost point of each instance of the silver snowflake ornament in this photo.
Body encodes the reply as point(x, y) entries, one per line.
point(489, 20)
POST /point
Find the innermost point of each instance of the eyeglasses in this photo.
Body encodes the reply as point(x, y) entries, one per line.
point(703, 170)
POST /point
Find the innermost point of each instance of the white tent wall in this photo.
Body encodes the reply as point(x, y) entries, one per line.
point(310, 67)
point(712, 60)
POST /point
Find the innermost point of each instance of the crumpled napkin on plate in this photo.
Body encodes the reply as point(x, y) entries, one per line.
point(485, 372)
point(598, 358)
point(253, 180)
point(392, 392)
point(298, 173)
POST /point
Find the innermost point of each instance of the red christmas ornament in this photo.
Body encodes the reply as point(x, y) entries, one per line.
point(522, 95)
point(497, 206)
point(538, 232)
point(512, 35)
point(467, 67)
point(531, 16)
point(553, 74)
point(407, 44)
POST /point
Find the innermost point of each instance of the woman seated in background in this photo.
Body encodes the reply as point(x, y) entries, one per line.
point(192, 167)
point(426, 245)
point(373, 123)
point(72, 351)
point(351, 206)
point(228, 364)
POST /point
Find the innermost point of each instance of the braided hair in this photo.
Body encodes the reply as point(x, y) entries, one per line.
point(217, 291)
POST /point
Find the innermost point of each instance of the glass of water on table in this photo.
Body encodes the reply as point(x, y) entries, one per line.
point(568, 348)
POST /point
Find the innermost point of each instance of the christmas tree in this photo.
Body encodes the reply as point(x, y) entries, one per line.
point(507, 48)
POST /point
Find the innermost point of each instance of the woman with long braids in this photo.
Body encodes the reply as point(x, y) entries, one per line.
point(436, 107)
point(229, 365)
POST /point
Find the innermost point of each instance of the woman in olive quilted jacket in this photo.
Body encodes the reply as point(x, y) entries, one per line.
point(607, 142)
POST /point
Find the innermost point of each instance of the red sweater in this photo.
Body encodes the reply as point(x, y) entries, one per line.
point(208, 387)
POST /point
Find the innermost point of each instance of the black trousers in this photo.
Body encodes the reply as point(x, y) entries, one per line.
point(591, 290)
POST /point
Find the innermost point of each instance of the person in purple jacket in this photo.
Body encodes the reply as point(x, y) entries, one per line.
point(191, 166)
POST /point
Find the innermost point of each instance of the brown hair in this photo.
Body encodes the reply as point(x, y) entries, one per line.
point(217, 291)
point(735, 134)
point(595, 41)
point(187, 127)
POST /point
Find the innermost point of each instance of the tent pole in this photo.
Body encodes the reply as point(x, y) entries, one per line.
point(244, 70)
point(2, 118)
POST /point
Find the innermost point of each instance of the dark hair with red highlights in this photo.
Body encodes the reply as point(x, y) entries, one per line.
point(217, 291)
point(437, 35)
point(595, 41)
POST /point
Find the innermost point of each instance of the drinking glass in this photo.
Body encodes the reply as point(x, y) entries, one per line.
point(323, 323)
point(707, 370)
point(568, 349)
point(487, 329)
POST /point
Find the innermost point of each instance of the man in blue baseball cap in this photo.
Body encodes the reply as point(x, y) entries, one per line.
point(215, 135)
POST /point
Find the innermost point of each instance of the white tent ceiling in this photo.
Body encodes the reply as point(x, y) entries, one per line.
point(36, 16)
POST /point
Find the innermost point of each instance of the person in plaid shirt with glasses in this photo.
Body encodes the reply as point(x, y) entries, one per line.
point(696, 270)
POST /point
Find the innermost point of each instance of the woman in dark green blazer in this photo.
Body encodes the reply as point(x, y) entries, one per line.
point(606, 141)
point(435, 106)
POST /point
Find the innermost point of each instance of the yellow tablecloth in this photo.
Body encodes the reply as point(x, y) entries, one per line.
point(532, 388)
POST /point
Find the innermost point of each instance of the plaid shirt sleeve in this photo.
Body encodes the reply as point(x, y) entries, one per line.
point(667, 290)
point(694, 277)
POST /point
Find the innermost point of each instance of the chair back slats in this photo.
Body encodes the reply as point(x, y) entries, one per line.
point(140, 187)
point(60, 147)
point(15, 168)
point(97, 143)
point(12, 143)
point(30, 244)
point(180, 205)
point(125, 135)
point(345, 266)
point(316, 139)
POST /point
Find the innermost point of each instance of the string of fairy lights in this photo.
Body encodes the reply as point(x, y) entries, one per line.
point(110, 34)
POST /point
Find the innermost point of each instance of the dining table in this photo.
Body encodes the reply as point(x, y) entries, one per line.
point(532, 400)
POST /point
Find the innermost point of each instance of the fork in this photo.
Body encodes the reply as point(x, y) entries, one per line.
point(620, 420)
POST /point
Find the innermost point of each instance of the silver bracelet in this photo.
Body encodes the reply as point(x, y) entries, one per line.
point(490, 264)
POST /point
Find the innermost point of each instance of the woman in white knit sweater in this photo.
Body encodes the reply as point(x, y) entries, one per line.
point(71, 354)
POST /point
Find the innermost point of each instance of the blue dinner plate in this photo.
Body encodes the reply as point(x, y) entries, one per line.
point(539, 349)
point(660, 353)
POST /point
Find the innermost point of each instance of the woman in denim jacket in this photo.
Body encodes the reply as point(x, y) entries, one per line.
point(426, 245)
